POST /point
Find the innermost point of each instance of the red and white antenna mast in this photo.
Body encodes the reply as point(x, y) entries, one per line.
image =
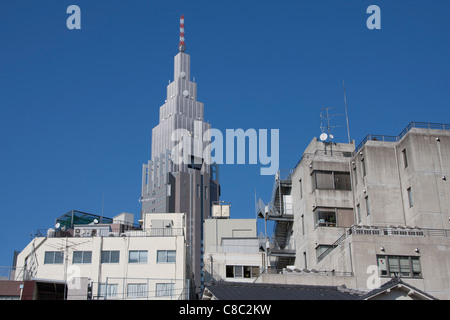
point(182, 45)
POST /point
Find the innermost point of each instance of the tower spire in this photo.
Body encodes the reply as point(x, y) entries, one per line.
point(182, 45)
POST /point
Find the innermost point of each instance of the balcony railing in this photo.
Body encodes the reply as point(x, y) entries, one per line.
point(385, 231)
point(92, 232)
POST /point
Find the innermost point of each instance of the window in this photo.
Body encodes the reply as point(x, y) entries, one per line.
point(109, 290)
point(110, 256)
point(165, 256)
point(405, 266)
point(242, 271)
point(367, 205)
point(330, 180)
point(410, 199)
point(342, 181)
point(326, 218)
point(164, 289)
point(363, 166)
point(300, 186)
point(82, 257)
point(355, 174)
point(303, 224)
point(53, 257)
point(333, 217)
point(136, 290)
point(358, 210)
point(405, 159)
point(138, 256)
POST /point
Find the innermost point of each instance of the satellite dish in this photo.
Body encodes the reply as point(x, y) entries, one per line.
point(186, 93)
point(323, 136)
point(57, 225)
point(95, 221)
point(331, 136)
point(182, 74)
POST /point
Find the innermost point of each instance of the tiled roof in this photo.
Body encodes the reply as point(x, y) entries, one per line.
point(270, 291)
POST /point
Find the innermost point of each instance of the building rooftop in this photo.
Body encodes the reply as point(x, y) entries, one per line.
point(271, 291)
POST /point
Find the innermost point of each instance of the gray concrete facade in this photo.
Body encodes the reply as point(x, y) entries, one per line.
point(379, 210)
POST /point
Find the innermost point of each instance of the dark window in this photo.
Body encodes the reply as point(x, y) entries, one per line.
point(405, 158)
point(110, 256)
point(53, 257)
point(330, 180)
point(82, 257)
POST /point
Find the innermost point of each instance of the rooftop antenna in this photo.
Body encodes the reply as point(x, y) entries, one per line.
point(346, 115)
point(182, 45)
point(326, 131)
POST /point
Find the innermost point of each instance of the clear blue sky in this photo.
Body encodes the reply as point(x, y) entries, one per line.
point(77, 106)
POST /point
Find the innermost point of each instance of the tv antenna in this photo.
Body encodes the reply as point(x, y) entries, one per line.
point(327, 137)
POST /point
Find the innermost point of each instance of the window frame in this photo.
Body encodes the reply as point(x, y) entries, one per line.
point(391, 270)
point(55, 255)
point(140, 257)
point(85, 258)
point(109, 252)
point(168, 256)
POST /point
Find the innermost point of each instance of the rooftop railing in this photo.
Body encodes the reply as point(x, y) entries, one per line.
point(420, 125)
point(385, 231)
point(149, 232)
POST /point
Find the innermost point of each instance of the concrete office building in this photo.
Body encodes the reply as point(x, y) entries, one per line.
point(94, 257)
point(231, 248)
point(182, 181)
point(365, 214)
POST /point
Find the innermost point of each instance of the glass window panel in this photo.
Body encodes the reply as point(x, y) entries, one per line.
point(238, 271)
point(382, 265)
point(230, 271)
point(105, 256)
point(324, 180)
point(59, 257)
point(255, 271)
point(77, 257)
point(342, 181)
point(404, 266)
point(133, 257)
point(416, 269)
point(115, 256)
point(161, 256)
point(87, 256)
point(143, 256)
point(49, 256)
point(171, 256)
point(394, 267)
point(247, 272)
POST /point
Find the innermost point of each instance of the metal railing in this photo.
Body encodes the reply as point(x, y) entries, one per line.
point(149, 232)
point(420, 125)
point(385, 231)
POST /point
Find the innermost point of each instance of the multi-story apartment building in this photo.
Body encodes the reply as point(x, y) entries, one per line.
point(376, 211)
point(110, 258)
